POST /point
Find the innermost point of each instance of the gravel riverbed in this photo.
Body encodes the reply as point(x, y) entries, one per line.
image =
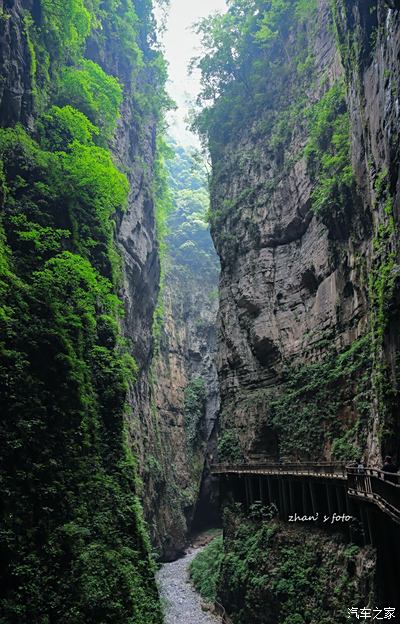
point(182, 604)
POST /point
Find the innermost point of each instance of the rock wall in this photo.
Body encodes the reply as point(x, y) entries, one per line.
point(303, 135)
point(16, 99)
point(188, 340)
point(40, 43)
point(308, 296)
point(134, 147)
point(186, 395)
point(184, 387)
point(369, 38)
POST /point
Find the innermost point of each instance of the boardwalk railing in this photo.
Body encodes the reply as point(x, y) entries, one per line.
point(369, 484)
point(320, 469)
point(382, 488)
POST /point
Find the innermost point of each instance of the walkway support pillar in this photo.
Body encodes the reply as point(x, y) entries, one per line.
point(261, 488)
point(370, 526)
point(251, 491)
point(270, 495)
point(281, 500)
point(285, 498)
point(291, 497)
point(306, 507)
point(313, 497)
point(246, 485)
point(340, 498)
point(331, 506)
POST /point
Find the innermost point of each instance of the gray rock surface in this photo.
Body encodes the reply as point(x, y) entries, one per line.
point(187, 352)
point(293, 284)
point(16, 88)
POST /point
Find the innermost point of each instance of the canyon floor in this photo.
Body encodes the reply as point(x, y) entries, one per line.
point(182, 604)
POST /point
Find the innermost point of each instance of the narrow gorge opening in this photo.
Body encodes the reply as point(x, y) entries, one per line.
point(185, 387)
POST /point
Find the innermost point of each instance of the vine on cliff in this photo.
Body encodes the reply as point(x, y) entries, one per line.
point(306, 413)
point(328, 152)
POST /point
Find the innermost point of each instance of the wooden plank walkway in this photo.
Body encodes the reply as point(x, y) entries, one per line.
point(366, 484)
point(320, 470)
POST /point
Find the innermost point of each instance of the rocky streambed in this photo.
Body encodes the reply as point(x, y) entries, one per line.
point(182, 604)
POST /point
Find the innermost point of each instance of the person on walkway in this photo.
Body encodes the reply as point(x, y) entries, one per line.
point(360, 470)
point(389, 467)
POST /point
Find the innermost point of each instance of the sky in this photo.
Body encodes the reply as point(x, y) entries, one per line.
point(181, 44)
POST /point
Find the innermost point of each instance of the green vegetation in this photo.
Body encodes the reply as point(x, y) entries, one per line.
point(73, 542)
point(194, 406)
point(275, 573)
point(383, 287)
point(307, 412)
point(89, 89)
point(189, 241)
point(162, 193)
point(59, 127)
point(229, 447)
point(328, 152)
point(245, 59)
point(163, 203)
point(182, 207)
point(318, 405)
point(205, 569)
point(357, 47)
point(65, 26)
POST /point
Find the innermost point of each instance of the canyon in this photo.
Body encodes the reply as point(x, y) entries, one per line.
point(134, 355)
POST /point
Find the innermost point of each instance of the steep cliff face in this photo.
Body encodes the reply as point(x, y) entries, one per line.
point(369, 38)
point(185, 396)
point(77, 175)
point(301, 109)
point(16, 95)
point(304, 226)
point(135, 147)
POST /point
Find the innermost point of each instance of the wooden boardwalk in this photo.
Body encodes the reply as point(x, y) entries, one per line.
point(320, 470)
point(367, 484)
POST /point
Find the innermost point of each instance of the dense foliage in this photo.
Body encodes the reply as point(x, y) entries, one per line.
point(246, 57)
point(205, 569)
point(306, 414)
point(73, 543)
point(189, 239)
point(229, 447)
point(194, 406)
point(89, 89)
point(328, 151)
point(182, 208)
point(275, 574)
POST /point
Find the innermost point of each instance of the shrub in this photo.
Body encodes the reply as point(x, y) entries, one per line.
point(229, 447)
point(59, 127)
point(93, 92)
point(205, 568)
